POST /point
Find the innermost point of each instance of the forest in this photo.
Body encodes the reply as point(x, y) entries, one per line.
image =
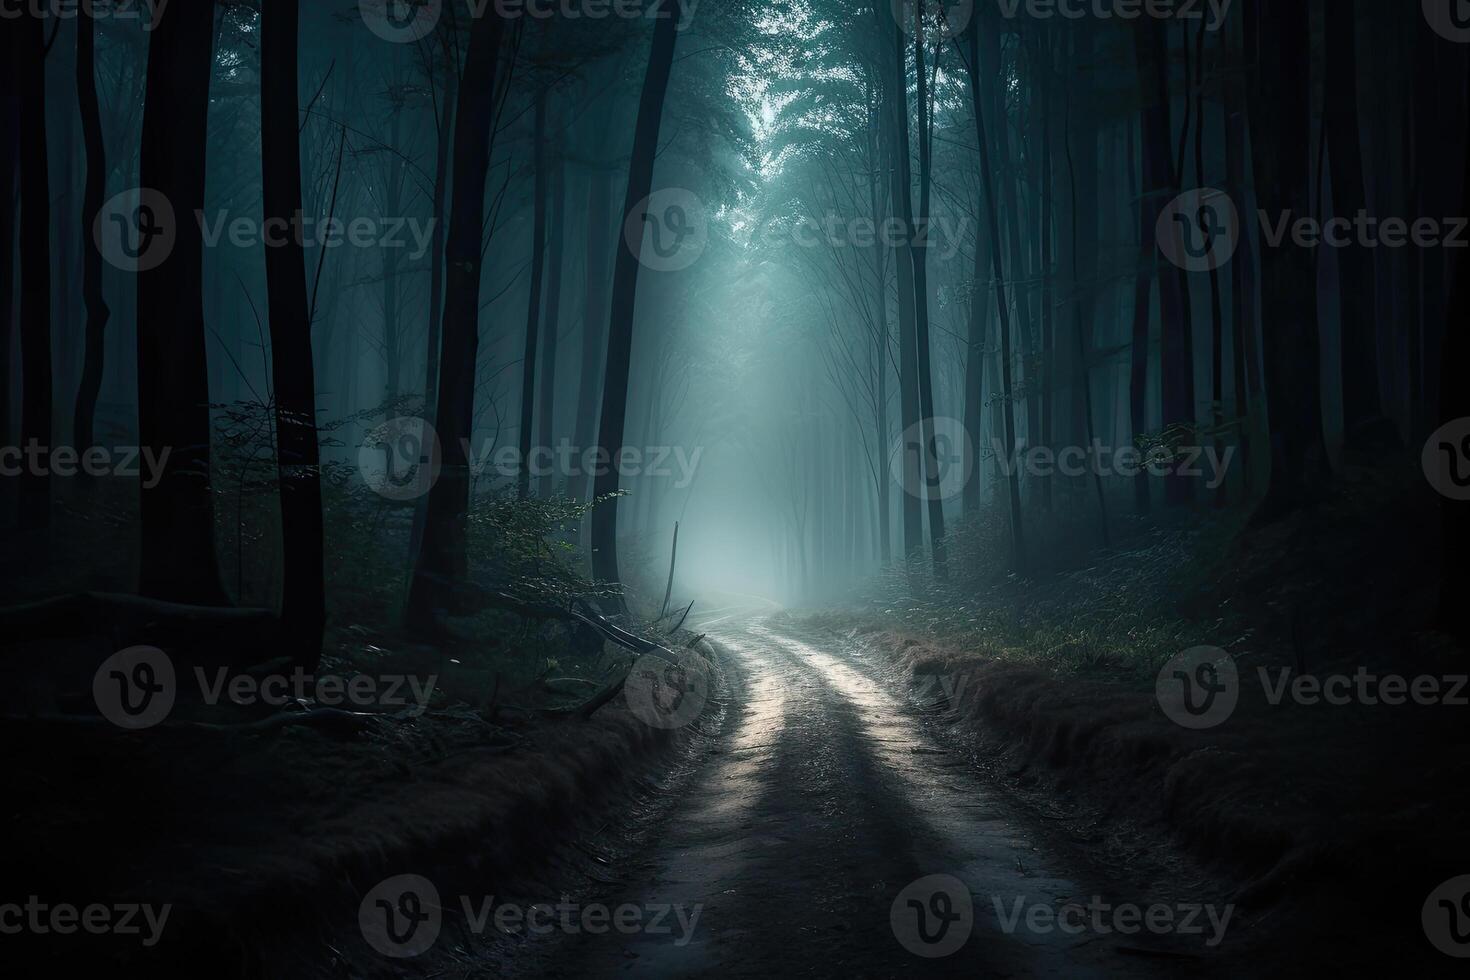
point(768, 487)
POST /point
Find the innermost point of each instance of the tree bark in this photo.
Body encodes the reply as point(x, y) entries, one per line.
point(179, 561)
point(533, 302)
point(97, 313)
point(298, 470)
point(442, 560)
point(624, 293)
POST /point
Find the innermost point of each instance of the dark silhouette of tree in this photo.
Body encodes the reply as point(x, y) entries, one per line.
point(624, 292)
point(303, 602)
point(177, 515)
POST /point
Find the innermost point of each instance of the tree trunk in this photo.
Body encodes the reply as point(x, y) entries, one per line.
point(987, 187)
point(303, 591)
point(1281, 126)
point(594, 315)
point(29, 65)
point(920, 257)
point(908, 388)
point(442, 559)
point(533, 302)
point(179, 561)
point(1361, 401)
point(624, 293)
point(552, 321)
point(97, 313)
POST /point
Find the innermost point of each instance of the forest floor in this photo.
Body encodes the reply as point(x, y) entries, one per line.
point(1332, 796)
point(255, 842)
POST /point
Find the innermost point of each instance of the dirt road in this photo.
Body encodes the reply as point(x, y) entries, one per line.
point(807, 844)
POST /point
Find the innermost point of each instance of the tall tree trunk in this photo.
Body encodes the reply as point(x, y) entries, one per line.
point(991, 218)
point(97, 313)
point(1281, 125)
point(436, 255)
point(1454, 405)
point(594, 315)
point(1083, 249)
point(624, 294)
point(1138, 351)
point(920, 255)
point(552, 321)
point(1361, 401)
point(880, 340)
point(908, 388)
point(533, 301)
point(28, 62)
point(1242, 278)
point(179, 560)
point(442, 560)
point(9, 206)
point(303, 593)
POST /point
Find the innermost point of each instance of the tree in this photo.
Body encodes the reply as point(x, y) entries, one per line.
point(441, 559)
point(624, 293)
point(177, 514)
point(303, 602)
